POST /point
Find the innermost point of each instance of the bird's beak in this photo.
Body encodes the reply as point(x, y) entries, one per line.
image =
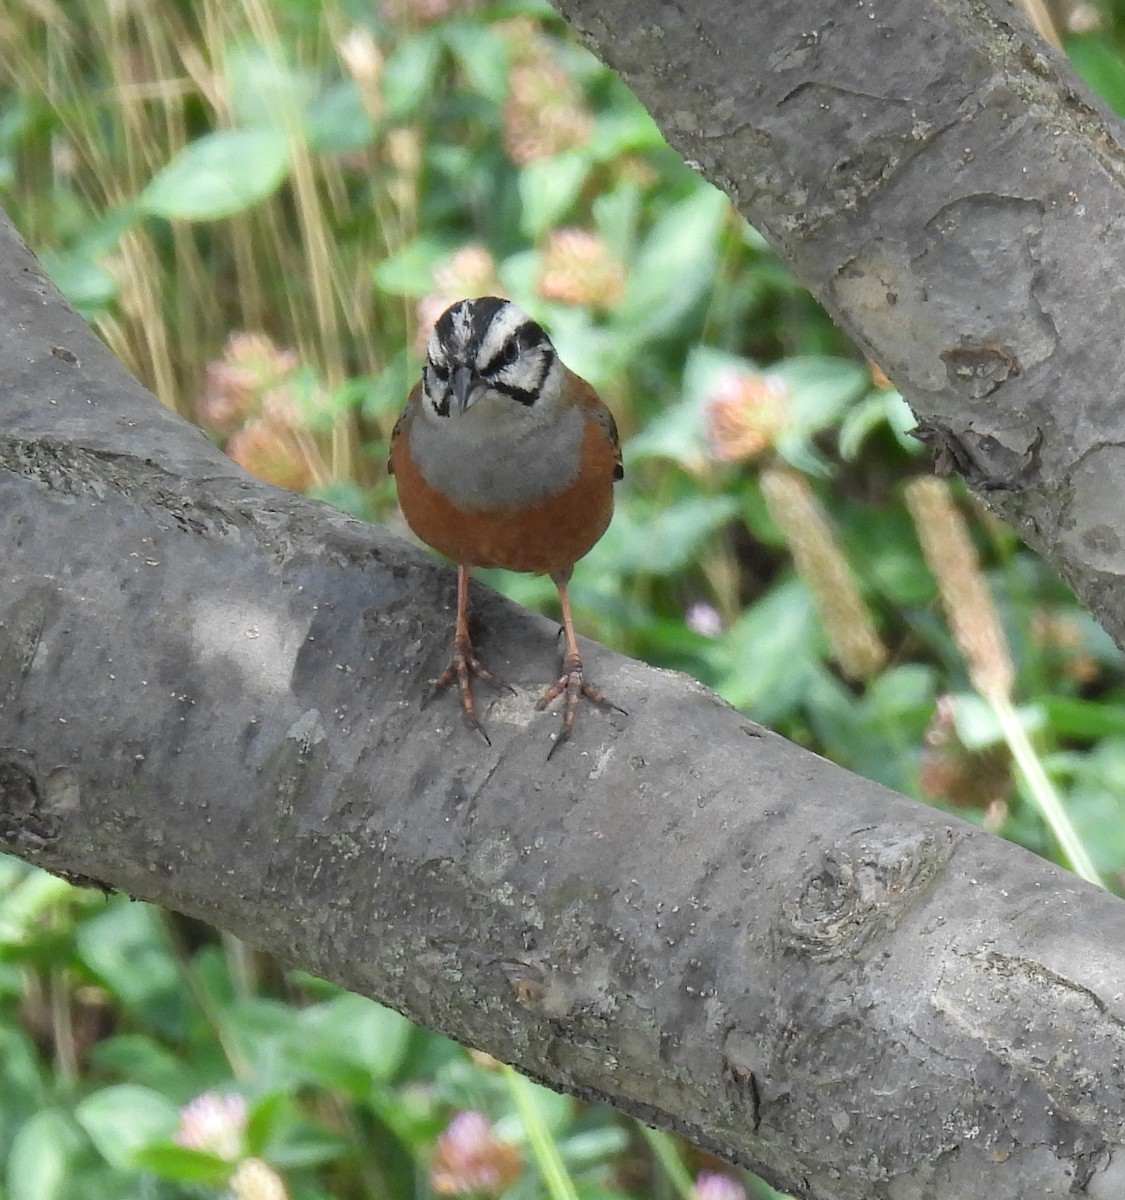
point(465, 385)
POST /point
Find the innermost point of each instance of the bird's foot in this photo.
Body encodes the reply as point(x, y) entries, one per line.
point(572, 684)
point(463, 666)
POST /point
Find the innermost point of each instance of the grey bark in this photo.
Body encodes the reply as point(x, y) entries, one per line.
point(210, 697)
point(939, 178)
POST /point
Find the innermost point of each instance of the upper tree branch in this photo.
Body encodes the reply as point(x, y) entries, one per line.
point(941, 181)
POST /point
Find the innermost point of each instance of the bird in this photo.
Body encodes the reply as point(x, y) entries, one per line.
point(504, 457)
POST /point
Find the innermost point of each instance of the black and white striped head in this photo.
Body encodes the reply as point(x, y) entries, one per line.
point(488, 356)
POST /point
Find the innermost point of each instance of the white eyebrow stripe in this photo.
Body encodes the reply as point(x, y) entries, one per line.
point(503, 325)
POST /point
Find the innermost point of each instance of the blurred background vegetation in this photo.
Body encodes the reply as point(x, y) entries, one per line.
point(262, 207)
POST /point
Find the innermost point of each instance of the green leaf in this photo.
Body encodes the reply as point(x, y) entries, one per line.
point(312, 987)
point(882, 546)
point(13, 986)
point(901, 694)
point(845, 731)
point(260, 1030)
point(28, 903)
point(219, 175)
point(386, 392)
point(593, 1145)
point(39, 1158)
point(616, 215)
point(676, 434)
point(347, 496)
point(482, 57)
point(410, 74)
point(820, 388)
point(181, 1164)
point(409, 271)
point(1089, 719)
point(875, 734)
point(676, 264)
point(350, 1042)
point(137, 1058)
point(86, 284)
point(309, 1146)
point(625, 130)
point(1101, 66)
point(530, 591)
point(123, 1119)
point(124, 948)
point(860, 422)
point(519, 273)
point(875, 410)
point(1093, 799)
point(77, 271)
point(22, 1082)
point(265, 91)
point(17, 118)
point(268, 1119)
point(539, 9)
point(665, 540)
point(12, 871)
point(336, 121)
point(548, 189)
point(773, 653)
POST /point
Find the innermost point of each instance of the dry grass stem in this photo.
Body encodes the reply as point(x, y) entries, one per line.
point(965, 597)
point(821, 564)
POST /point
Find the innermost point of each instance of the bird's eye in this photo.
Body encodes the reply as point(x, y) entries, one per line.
point(440, 370)
point(510, 352)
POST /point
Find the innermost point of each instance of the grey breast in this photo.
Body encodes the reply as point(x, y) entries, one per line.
point(509, 460)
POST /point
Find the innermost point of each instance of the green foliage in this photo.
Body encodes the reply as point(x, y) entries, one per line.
point(219, 175)
point(261, 208)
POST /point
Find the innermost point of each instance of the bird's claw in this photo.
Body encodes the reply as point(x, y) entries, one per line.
point(463, 666)
point(571, 684)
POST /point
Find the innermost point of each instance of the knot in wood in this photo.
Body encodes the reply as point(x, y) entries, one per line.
point(858, 893)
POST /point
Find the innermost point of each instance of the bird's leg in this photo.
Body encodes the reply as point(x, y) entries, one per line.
point(571, 682)
point(463, 663)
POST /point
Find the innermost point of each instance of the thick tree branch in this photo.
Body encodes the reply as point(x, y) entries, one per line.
point(210, 697)
point(941, 181)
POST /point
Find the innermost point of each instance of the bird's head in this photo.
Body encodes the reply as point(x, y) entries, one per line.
point(489, 358)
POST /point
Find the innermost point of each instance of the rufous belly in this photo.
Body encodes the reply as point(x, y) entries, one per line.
point(545, 538)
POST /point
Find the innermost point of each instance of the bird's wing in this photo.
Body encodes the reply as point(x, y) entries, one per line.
point(404, 419)
point(596, 409)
